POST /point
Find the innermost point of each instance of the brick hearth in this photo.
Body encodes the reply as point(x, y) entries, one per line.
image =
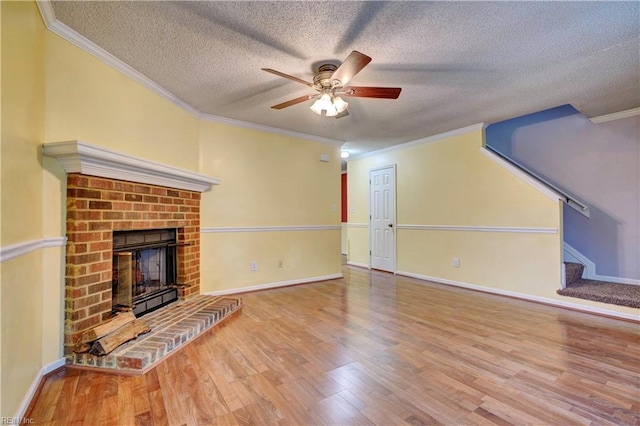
point(98, 206)
point(172, 327)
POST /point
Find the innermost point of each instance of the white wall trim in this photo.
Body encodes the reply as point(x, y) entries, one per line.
point(358, 264)
point(57, 27)
point(22, 409)
point(46, 11)
point(275, 285)
point(16, 250)
point(618, 280)
point(526, 230)
point(523, 296)
point(570, 254)
point(544, 189)
point(615, 116)
point(356, 225)
point(81, 157)
point(269, 129)
point(91, 48)
point(271, 228)
point(421, 141)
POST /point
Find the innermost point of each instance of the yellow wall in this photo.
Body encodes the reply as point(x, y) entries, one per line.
point(450, 182)
point(267, 180)
point(90, 101)
point(22, 210)
point(0, 208)
point(305, 255)
point(53, 91)
point(23, 118)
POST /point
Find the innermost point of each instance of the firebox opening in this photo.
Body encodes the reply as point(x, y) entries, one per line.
point(144, 270)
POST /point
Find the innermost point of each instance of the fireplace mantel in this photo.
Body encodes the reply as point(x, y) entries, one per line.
point(81, 157)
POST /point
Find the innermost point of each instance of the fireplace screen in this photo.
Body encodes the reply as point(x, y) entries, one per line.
point(144, 270)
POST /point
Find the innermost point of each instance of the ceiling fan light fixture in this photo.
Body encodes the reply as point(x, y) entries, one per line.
point(340, 104)
point(324, 103)
point(330, 82)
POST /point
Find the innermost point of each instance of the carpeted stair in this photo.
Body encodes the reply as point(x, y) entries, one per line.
point(599, 291)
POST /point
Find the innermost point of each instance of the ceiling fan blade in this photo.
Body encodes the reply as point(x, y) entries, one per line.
point(343, 114)
point(371, 92)
point(351, 66)
point(293, 101)
point(290, 77)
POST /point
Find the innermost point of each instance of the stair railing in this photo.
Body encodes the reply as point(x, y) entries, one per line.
point(568, 199)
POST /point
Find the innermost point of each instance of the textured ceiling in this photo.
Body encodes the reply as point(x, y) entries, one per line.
point(458, 63)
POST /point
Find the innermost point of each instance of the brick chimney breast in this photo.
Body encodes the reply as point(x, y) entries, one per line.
point(98, 206)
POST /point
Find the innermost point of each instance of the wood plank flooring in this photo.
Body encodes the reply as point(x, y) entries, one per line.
point(374, 349)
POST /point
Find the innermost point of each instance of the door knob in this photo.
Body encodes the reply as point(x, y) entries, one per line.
point(391, 225)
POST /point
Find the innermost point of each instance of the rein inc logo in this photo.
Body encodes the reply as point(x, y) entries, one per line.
point(16, 421)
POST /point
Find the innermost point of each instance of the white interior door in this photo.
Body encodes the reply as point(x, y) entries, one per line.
point(382, 218)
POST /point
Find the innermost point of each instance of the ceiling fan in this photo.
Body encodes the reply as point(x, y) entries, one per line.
point(330, 83)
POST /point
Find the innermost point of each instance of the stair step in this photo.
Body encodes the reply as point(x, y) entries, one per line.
point(573, 272)
point(605, 292)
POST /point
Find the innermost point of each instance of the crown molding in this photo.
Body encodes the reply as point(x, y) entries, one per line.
point(57, 27)
point(96, 51)
point(421, 141)
point(46, 12)
point(80, 157)
point(268, 129)
point(615, 116)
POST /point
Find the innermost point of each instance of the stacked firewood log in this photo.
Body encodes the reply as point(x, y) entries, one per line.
point(104, 338)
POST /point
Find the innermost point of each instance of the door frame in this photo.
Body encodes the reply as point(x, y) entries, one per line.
point(394, 166)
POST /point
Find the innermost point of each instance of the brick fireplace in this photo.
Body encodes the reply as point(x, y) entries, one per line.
point(109, 192)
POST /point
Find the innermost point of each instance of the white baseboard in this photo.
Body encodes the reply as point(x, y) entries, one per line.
point(523, 296)
point(358, 264)
point(274, 285)
point(615, 279)
point(31, 392)
point(570, 254)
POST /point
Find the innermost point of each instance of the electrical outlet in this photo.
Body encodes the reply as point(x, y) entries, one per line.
point(456, 262)
point(280, 264)
point(254, 265)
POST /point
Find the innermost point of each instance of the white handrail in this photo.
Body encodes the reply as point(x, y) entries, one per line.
point(568, 199)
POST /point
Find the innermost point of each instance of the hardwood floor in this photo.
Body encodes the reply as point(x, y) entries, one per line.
point(374, 349)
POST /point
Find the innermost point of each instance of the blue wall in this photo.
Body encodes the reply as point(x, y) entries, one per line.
point(500, 135)
point(597, 163)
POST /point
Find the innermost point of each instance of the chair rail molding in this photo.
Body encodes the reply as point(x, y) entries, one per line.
point(20, 249)
point(516, 229)
point(207, 230)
